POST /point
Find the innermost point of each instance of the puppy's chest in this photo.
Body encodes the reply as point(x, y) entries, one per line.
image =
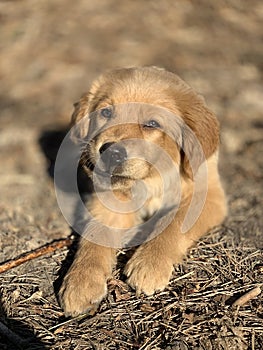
point(150, 207)
point(159, 199)
point(153, 202)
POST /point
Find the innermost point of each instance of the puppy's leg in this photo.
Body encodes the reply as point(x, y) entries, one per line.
point(151, 266)
point(85, 284)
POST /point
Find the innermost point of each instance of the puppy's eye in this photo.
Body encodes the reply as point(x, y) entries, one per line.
point(106, 113)
point(152, 124)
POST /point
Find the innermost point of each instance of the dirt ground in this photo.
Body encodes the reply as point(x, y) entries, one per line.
point(50, 52)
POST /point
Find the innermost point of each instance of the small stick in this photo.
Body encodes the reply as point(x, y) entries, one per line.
point(253, 293)
point(48, 248)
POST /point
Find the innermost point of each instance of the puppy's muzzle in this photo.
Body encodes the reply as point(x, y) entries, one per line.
point(112, 155)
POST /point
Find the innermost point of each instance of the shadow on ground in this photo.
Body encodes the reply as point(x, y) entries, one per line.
point(17, 335)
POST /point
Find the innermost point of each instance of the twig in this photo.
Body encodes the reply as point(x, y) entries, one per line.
point(253, 293)
point(48, 248)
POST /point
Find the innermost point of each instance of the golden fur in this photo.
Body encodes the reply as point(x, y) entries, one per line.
point(151, 266)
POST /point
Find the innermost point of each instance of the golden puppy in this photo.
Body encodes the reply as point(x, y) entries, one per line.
point(138, 118)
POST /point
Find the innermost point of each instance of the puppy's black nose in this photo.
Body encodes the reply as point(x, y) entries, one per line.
point(112, 154)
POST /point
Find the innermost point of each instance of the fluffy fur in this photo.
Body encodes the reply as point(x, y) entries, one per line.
point(151, 266)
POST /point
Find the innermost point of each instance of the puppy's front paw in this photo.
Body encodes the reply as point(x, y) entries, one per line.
point(82, 290)
point(147, 273)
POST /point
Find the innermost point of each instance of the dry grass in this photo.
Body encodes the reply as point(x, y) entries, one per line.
point(195, 312)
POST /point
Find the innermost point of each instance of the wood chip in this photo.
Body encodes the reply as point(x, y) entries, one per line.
point(253, 293)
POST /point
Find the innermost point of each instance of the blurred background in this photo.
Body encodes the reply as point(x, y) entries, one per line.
point(52, 50)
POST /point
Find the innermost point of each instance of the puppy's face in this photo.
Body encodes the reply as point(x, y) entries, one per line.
point(134, 115)
point(127, 141)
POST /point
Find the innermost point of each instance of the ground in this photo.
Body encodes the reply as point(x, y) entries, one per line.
point(50, 53)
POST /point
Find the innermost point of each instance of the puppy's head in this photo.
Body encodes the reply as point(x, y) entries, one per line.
point(127, 111)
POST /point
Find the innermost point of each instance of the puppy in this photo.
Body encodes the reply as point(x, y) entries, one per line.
point(143, 125)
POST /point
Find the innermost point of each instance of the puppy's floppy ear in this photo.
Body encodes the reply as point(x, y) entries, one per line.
point(192, 154)
point(200, 134)
point(86, 105)
point(81, 112)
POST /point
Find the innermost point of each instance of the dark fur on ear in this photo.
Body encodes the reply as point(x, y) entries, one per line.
point(86, 105)
point(81, 110)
